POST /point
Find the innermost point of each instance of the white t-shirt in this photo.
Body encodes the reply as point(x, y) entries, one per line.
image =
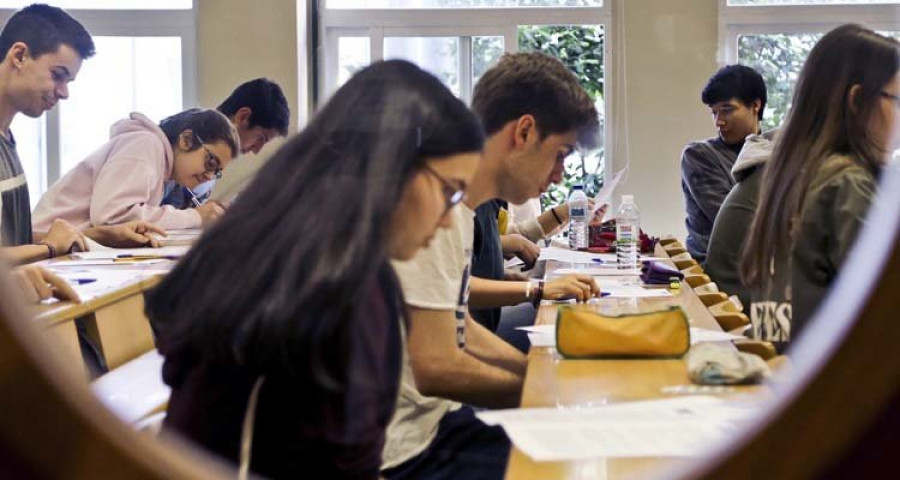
point(437, 278)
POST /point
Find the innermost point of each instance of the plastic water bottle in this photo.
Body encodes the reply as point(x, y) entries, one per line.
point(578, 218)
point(628, 227)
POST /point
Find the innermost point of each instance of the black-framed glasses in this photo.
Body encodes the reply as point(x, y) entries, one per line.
point(211, 163)
point(453, 194)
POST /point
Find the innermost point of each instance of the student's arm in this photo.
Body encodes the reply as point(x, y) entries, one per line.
point(126, 235)
point(122, 193)
point(484, 345)
point(442, 369)
point(484, 293)
point(61, 239)
point(706, 186)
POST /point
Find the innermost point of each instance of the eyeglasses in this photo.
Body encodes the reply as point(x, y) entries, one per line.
point(212, 164)
point(453, 195)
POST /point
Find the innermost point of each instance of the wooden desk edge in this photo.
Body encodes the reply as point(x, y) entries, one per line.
point(51, 315)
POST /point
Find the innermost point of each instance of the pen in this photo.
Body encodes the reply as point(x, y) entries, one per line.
point(83, 281)
point(193, 197)
point(598, 260)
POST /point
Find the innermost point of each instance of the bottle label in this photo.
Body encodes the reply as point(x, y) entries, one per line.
point(576, 212)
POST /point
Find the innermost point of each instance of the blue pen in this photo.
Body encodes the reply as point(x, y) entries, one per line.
point(605, 294)
point(83, 281)
point(598, 260)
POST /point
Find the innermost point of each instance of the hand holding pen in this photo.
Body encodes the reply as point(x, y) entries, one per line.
point(209, 211)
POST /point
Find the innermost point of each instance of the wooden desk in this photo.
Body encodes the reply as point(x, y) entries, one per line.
point(115, 321)
point(553, 381)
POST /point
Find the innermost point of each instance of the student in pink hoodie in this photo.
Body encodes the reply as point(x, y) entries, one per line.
point(123, 180)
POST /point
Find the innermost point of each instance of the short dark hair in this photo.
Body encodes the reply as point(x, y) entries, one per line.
point(44, 28)
point(209, 126)
point(539, 85)
point(736, 81)
point(265, 100)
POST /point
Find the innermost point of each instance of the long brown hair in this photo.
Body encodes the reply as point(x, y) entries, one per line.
point(823, 121)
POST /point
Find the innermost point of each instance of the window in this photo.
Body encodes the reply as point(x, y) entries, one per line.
point(775, 37)
point(458, 40)
point(144, 62)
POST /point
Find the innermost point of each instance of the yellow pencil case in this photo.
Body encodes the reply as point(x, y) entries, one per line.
point(583, 333)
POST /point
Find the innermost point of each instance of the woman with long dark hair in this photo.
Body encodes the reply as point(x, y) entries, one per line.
point(842, 129)
point(290, 299)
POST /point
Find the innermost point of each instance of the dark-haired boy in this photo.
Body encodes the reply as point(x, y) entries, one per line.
point(534, 113)
point(736, 97)
point(43, 48)
point(259, 111)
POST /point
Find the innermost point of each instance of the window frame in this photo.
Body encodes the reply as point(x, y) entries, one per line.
point(740, 20)
point(179, 23)
point(465, 23)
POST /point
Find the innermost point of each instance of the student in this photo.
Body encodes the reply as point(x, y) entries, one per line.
point(843, 127)
point(534, 113)
point(123, 180)
point(316, 317)
point(259, 112)
point(736, 97)
point(42, 49)
point(732, 225)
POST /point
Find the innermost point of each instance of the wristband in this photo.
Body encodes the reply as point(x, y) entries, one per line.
point(51, 250)
point(538, 295)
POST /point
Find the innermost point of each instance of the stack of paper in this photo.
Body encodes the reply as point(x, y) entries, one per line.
point(684, 426)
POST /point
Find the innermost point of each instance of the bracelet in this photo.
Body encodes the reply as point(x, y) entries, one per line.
point(538, 295)
point(556, 216)
point(51, 250)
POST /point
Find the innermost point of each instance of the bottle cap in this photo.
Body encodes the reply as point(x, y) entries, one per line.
point(577, 187)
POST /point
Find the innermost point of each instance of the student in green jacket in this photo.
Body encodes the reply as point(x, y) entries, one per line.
point(842, 129)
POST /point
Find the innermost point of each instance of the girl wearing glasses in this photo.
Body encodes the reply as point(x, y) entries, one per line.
point(287, 314)
point(124, 179)
point(843, 127)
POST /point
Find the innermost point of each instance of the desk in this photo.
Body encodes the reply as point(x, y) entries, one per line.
point(115, 321)
point(553, 381)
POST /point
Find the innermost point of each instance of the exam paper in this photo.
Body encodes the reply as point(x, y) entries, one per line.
point(683, 426)
point(112, 254)
point(605, 194)
point(90, 283)
point(600, 271)
point(545, 335)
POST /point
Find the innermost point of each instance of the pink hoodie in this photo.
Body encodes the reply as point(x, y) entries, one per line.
point(120, 182)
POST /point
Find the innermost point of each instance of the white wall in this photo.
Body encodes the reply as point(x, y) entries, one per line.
point(670, 52)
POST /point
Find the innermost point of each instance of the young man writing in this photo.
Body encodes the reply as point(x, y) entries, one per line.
point(534, 113)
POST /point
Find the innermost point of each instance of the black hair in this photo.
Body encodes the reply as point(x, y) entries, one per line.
point(736, 81)
point(210, 126)
point(273, 285)
point(264, 98)
point(539, 85)
point(44, 28)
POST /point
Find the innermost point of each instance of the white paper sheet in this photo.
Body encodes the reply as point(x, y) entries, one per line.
point(599, 271)
point(683, 426)
point(545, 335)
point(90, 283)
point(605, 194)
point(566, 255)
point(111, 254)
